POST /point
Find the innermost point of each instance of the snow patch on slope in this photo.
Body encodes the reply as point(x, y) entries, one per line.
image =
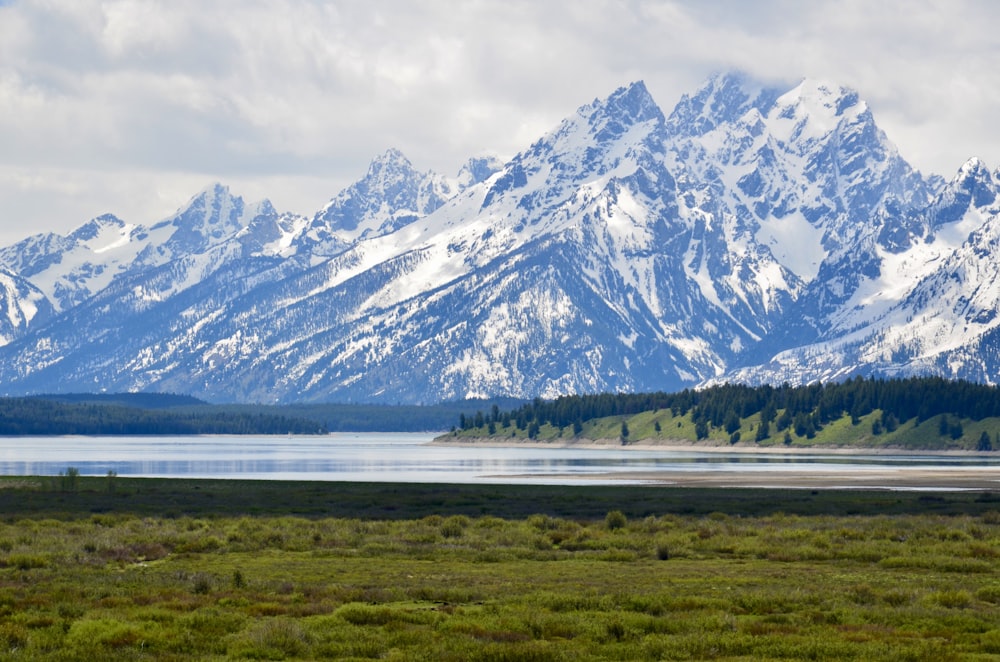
point(795, 242)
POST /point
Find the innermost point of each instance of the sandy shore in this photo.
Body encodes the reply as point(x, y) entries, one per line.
point(897, 477)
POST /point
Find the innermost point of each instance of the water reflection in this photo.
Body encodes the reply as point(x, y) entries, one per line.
point(408, 458)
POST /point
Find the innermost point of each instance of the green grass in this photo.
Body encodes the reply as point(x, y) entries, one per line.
point(261, 570)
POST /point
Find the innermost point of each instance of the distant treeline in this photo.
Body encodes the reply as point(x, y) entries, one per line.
point(377, 418)
point(803, 408)
point(167, 413)
point(140, 400)
point(46, 416)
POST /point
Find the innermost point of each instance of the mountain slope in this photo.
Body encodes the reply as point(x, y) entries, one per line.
point(805, 174)
point(930, 309)
point(70, 269)
point(21, 305)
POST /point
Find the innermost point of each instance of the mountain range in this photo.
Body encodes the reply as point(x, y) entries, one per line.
point(757, 233)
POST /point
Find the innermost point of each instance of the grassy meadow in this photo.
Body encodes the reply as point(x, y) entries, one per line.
point(148, 569)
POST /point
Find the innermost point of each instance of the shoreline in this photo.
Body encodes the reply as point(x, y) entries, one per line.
point(883, 478)
point(901, 479)
point(683, 445)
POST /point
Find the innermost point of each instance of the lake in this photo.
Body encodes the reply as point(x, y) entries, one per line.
point(407, 457)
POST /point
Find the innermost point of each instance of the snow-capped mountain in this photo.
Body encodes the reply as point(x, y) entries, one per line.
point(929, 304)
point(756, 232)
point(805, 174)
point(393, 194)
point(70, 269)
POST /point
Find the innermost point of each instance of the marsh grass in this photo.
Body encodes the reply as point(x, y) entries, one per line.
point(604, 578)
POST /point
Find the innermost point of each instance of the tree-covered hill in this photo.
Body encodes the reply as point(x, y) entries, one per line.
point(925, 412)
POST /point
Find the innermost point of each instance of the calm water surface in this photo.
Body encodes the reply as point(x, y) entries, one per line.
point(401, 457)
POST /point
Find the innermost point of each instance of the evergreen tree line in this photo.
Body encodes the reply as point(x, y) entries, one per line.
point(38, 416)
point(328, 417)
point(384, 418)
point(803, 409)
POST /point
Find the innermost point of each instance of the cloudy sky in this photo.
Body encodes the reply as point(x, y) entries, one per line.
point(133, 106)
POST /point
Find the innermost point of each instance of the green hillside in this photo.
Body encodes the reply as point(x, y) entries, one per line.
point(914, 414)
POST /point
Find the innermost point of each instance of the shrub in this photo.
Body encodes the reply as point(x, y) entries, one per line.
point(69, 480)
point(202, 584)
point(26, 561)
point(105, 633)
point(454, 526)
point(362, 614)
point(989, 593)
point(953, 599)
point(616, 630)
point(13, 637)
point(990, 641)
point(615, 520)
point(897, 598)
point(273, 638)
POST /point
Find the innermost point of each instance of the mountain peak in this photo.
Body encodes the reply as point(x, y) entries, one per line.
point(822, 98)
point(213, 190)
point(610, 118)
point(93, 227)
point(973, 185)
point(392, 160)
point(975, 178)
point(212, 197)
point(391, 194)
point(209, 217)
point(478, 169)
point(974, 167)
point(724, 97)
point(632, 103)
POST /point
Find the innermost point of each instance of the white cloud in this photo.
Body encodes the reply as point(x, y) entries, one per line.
point(131, 106)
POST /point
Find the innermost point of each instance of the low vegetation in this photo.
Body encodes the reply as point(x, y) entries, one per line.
point(311, 571)
point(916, 413)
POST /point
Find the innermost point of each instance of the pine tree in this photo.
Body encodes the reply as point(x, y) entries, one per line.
point(701, 430)
point(732, 422)
point(956, 430)
point(763, 431)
